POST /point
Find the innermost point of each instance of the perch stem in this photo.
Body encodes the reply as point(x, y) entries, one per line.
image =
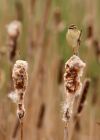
point(66, 131)
point(21, 127)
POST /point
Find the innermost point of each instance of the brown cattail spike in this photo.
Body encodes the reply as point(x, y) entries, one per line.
point(84, 94)
point(20, 78)
point(13, 30)
point(73, 72)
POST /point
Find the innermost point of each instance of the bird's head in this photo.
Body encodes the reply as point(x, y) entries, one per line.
point(73, 27)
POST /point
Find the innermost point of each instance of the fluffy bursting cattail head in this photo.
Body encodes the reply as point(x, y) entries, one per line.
point(20, 76)
point(20, 79)
point(14, 29)
point(73, 72)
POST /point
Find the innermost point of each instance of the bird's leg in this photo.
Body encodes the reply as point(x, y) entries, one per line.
point(75, 51)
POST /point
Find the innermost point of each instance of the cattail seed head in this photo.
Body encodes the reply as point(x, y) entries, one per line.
point(73, 71)
point(20, 79)
point(14, 29)
point(20, 76)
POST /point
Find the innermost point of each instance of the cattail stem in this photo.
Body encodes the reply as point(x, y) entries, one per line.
point(16, 127)
point(21, 127)
point(76, 124)
point(66, 132)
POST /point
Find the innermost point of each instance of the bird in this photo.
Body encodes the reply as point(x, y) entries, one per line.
point(73, 37)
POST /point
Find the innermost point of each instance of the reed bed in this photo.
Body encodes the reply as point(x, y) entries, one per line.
point(34, 31)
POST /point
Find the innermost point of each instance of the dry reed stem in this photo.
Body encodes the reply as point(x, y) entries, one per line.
point(79, 108)
point(41, 116)
point(43, 24)
point(83, 95)
point(59, 25)
point(16, 127)
point(32, 6)
point(95, 91)
point(92, 28)
point(51, 122)
point(19, 10)
point(21, 127)
point(66, 137)
point(40, 53)
point(92, 122)
point(32, 42)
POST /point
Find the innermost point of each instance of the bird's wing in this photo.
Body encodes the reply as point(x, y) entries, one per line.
point(79, 39)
